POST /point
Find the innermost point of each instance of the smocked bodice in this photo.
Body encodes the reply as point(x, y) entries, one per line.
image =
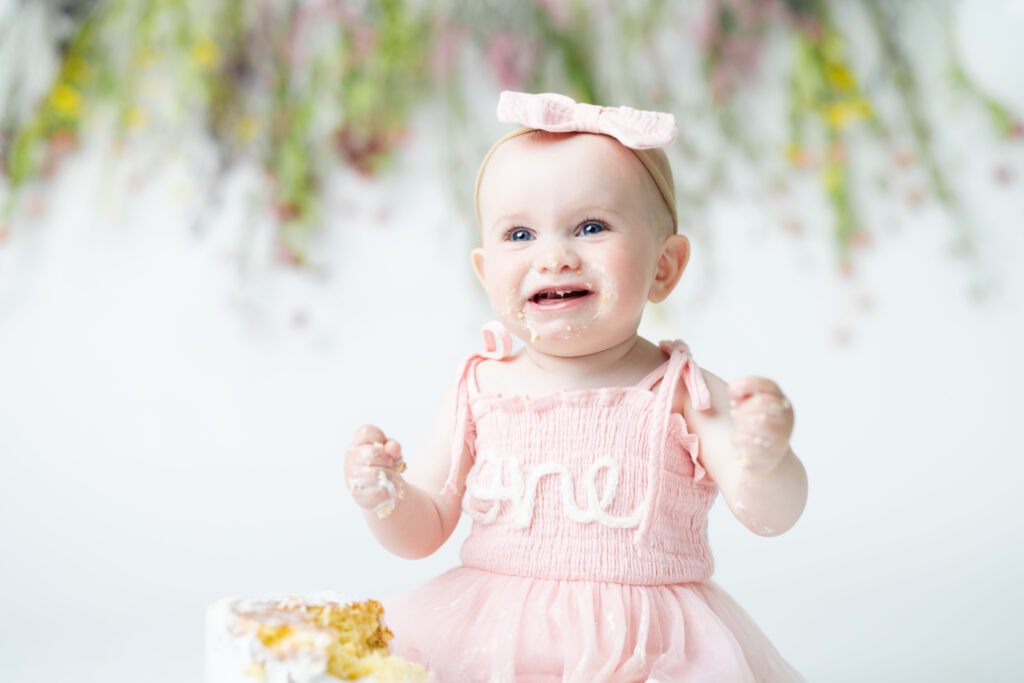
point(601, 485)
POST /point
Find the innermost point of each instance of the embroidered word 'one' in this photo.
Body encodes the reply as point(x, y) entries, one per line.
point(486, 483)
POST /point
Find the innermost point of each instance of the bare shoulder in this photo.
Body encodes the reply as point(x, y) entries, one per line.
point(714, 381)
point(717, 387)
point(495, 376)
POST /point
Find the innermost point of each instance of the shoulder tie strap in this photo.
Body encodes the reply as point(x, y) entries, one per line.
point(497, 345)
point(497, 340)
point(680, 365)
point(693, 380)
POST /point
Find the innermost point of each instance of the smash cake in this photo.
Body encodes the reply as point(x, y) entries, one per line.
point(315, 638)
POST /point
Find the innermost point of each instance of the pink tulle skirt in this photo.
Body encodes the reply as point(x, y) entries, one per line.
point(470, 625)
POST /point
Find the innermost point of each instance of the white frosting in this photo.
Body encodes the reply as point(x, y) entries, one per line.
point(386, 506)
point(234, 653)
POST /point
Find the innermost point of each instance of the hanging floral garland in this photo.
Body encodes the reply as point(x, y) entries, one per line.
point(305, 85)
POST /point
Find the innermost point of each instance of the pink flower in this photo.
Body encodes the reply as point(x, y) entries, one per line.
point(511, 60)
point(446, 50)
point(557, 11)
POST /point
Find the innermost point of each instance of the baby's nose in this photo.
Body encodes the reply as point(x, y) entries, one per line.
point(556, 259)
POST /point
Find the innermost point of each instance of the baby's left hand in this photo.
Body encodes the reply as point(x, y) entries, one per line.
point(762, 421)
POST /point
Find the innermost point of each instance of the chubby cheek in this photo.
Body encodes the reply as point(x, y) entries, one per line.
point(507, 304)
point(505, 299)
point(640, 286)
point(633, 280)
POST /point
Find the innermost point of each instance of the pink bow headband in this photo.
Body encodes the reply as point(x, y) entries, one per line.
point(642, 132)
point(634, 128)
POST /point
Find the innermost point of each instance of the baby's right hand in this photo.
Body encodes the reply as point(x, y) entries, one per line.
point(373, 467)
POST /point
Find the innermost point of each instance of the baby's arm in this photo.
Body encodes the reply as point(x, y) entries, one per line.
point(421, 519)
point(744, 446)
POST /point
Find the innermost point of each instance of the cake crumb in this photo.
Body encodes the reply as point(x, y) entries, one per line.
point(256, 670)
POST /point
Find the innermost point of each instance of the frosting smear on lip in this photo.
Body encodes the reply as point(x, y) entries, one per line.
point(563, 310)
point(551, 300)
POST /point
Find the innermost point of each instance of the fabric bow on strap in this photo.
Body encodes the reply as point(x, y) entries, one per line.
point(555, 113)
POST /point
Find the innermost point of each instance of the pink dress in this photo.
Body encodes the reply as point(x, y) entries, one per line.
point(588, 559)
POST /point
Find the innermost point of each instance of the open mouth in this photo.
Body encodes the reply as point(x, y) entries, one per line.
point(559, 295)
point(552, 296)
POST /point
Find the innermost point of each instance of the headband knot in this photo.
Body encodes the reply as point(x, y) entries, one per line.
point(589, 117)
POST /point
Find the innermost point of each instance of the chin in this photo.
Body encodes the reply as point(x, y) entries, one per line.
point(573, 344)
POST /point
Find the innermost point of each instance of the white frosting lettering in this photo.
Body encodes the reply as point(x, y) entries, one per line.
point(486, 483)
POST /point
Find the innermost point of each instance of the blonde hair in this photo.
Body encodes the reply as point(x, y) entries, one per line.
point(654, 160)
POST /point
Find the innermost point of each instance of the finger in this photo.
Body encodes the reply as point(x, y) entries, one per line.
point(393, 449)
point(359, 458)
point(746, 387)
point(385, 455)
point(760, 424)
point(762, 427)
point(378, 490)
point(370, 476)
point(368, 434)
point(373, 455)
point(764, 408)
point(755, 441)
point(368, 493)
point(364, 482)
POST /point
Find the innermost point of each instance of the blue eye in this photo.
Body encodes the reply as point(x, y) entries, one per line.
point(519, 235)
point(592, 228)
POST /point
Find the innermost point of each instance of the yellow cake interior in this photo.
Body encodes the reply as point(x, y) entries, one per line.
point(357, 641)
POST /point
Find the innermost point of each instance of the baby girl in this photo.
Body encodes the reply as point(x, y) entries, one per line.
point(589, 457)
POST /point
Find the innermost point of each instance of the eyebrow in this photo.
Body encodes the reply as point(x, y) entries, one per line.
point(600, 209)
point(514, 218)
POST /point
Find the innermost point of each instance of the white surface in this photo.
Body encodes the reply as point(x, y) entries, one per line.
point(168, 436)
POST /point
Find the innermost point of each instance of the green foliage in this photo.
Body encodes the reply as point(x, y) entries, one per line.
point(302, 87)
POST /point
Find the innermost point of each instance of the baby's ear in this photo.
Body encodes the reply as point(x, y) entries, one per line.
point(672, 260)
point(477, 257)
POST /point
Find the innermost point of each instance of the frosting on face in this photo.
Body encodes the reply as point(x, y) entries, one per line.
point(570, 242)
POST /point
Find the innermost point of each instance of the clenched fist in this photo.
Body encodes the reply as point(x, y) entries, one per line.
point(373, 470)
point(763, 422)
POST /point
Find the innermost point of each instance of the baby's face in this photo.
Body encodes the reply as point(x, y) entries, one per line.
point(572, 229)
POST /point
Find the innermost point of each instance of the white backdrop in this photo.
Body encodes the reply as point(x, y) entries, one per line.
point(174, 410)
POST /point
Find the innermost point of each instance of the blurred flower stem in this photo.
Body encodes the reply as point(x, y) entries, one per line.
point(304, 88)
point(824, 89)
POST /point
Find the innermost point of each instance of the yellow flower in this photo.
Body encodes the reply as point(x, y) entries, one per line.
point(205, 53)
point(75, 69)
point(145, 56)
point(864, 108)
point(66, 101)
point(256, 670)
point(796, 155)
point(135, 118)
point(835, 114)
point(840, 77)
point(832, 176)
point(842, 113)
point(247, 129)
